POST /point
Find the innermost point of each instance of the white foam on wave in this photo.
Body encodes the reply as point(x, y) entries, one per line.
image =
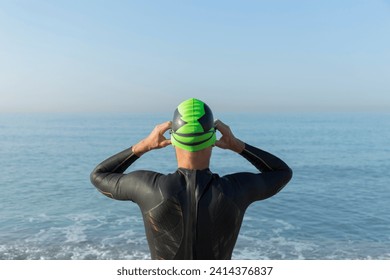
point(266, 239)
point(80, 236)
point(75, 233)
point(277, 247)
point(87, 251)
point(86, 236)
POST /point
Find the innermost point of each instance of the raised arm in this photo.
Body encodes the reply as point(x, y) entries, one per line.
point(274, 172)
point(108, 176)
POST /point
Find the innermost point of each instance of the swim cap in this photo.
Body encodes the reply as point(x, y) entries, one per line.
point(193, 126)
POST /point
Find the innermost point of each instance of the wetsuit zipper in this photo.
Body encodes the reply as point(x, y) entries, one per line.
point(190, 230)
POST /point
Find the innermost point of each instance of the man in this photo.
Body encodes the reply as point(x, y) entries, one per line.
point(191, 213)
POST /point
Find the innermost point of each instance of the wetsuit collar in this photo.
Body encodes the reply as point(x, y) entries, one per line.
point(186, 170)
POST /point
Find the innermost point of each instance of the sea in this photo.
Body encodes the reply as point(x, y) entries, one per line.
point(336, 207)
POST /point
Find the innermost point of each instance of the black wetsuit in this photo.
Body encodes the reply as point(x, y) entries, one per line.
point(192, 214)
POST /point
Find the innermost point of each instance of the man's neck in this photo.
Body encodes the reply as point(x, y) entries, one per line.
point(193, 160)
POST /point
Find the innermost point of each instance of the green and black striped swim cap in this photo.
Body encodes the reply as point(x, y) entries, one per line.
point(193, 126)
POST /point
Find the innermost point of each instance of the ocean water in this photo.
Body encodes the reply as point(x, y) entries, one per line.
point(337, 205)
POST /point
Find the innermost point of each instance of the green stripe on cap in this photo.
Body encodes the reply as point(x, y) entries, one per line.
point(193, 126)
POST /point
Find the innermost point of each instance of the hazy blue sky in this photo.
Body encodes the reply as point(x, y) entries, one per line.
point(84, 56)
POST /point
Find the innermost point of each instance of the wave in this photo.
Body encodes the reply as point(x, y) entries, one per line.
point(88, 237)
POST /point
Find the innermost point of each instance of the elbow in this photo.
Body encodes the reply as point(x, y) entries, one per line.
point(98, 179)
point(289, 175)
point(95, 177)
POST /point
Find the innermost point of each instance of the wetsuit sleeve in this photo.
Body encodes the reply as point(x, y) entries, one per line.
point(109, 179)
point(274, 175)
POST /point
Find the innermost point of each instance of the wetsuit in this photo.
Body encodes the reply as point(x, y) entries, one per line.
point(192, 214)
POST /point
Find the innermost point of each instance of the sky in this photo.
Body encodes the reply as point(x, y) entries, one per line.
point(142, 56)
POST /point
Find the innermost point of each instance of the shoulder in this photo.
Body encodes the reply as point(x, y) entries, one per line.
point(153, 178)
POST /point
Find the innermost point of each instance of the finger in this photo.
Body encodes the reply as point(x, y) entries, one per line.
point(166, 143)
point(165, 126)
point(222, 127)
point(219, 144)
point(219, 124)
point(216, 122)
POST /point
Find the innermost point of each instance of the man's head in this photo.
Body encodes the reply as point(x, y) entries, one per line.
point(193, 126)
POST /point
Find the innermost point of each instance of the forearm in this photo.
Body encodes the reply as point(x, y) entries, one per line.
point(275, 173)
point(264, 161)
